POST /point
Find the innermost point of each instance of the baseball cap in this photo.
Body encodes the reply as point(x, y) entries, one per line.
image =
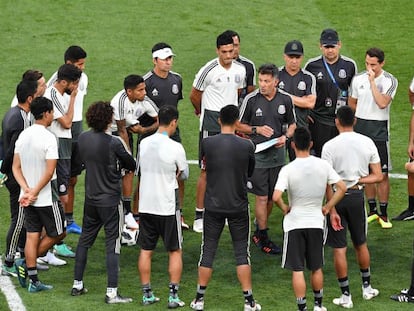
point(329, 37)
point(163, 53)
point(294, 47)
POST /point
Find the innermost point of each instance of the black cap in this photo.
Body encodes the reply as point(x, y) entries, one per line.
point(294, 47)
point(329, 37)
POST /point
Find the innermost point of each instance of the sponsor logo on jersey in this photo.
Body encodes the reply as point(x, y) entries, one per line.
point(319, 76)
point(174, 89)
point(237, 78)
point(380, 88)
point(259, 112)
point(281, 109)
point(342, 73)
point(154, 92)
point(281, 85)
point(302, 85)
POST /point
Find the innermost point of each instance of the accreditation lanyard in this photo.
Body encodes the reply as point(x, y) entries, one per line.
point(328, 69)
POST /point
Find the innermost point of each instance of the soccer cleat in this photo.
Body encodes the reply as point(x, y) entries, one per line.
point(51, 259)
point(198, 225)
point(405, 215)
point(403, 297)
point(175, 302)
point(73, 228)
point(197, 304)
point(64, 251)
point(41, 267)
point(252, 307)
point(130, 222)
point(384, 222)
point(270, 248)
point(368, 292)
point(21, 271)
point(371, 217)
point(117, 299)
point(184, 226)
point(78, 292)
point(9, 271)
point(256, 240)
point(317, 308)
point(149, 300)
point(38, 286)
point(344, 301)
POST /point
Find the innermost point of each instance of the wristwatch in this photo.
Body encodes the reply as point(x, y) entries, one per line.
point(254, 130)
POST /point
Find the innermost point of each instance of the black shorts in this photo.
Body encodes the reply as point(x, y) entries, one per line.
point(201, 135)
point(351, 209)
point(63, 175)
point(111, 218)
point(239, 226)
point(263, 181)
point(383, 151)
point(302, 245)
point(51, 218)
point(321, 133)
point(151, 227)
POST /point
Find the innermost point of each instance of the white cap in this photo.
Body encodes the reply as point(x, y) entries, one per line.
point(163, 53)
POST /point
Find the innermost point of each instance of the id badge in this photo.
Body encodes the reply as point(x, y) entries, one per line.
point(341, 100)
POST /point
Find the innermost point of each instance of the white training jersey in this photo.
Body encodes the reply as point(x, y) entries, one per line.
point(350, 154)
point(361, 90)
point(82, 91)
point(60, 108)
point(35, 145)
point(160, 158)
point(129, 111)
point(219, 85)
point(305, 180)
point(412, 86)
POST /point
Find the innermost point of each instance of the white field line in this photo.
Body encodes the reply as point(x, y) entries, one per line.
point(12, 297)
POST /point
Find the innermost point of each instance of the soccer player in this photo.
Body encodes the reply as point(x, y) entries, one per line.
point(33, 75)
point(355, 158)
point(14, 122)
point(303, 223)
point(299, 84)
point(104, 156)
point(165, 87)
point(227, 161)
point(161, 161)
point(34, 167)
point(263, 115)
point(129, 105)
point(372, 92)
point(217, 84)
point(333, 73)
point(76, 56)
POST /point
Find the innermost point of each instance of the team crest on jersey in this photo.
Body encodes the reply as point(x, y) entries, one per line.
point(154, 92)
point(259, 112)
point(174, 89)
point(237, 78)
point(281, 85)
point(281, 109)
point(319, 76)
point(302, 85)
point(342, 73)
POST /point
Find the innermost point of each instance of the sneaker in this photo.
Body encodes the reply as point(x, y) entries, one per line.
point(38, 286)
point(368, 292)
point(256, 240)
point(372, 217)
point(41, 267)
point(403, 297)
point(64, 251)
point(117, 299)
point(197, 304)
point(73, 228)
point(316, 308)
point(405, 215)
point(130, 222)
point(78, 292)
point(51, 259)
point(270, 248)
point(9, 271)
point(149, 300)
point(254, 307)
point(384, 222)
point(175, 302)
point(198, 225)
point(184, 226)
point(344, 301)
point(21, 271)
